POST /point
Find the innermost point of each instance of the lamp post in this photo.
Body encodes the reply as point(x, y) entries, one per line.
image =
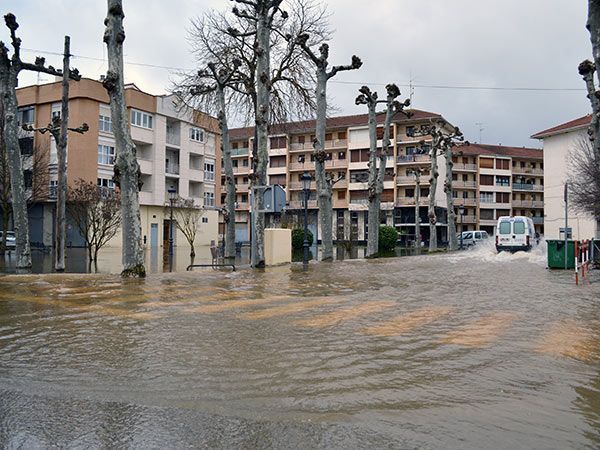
point(306, 179)
point(461, 210)
point(172, 197)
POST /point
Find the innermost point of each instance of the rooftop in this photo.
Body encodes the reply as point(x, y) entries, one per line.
point(582, 122)
point(501, 150)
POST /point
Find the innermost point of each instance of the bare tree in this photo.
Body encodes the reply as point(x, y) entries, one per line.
point(417, 173)
point(587, 69)
point(127, 170)
point(9, 74)
point(377, 174)
point(95, 212)
point(58, 129)
point(450, 140)
point(187, 220)
point(584, 177)
point(324, 180)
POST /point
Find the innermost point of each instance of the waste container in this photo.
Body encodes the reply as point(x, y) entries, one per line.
point(556, 254)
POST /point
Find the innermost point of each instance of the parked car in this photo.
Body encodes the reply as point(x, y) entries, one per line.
point(472, 237)
point(11, 241)
point(515, 233)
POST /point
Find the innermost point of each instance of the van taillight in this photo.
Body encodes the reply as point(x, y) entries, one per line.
point(496, 239)
point(527, 240)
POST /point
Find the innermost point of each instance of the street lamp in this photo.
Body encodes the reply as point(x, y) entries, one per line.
point(306, 179)
point(461, 211)
point(172, 197)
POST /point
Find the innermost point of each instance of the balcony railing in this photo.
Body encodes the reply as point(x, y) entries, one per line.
point(465, 167)
point(411, 201)
point(466, 219)
point(299, 204)
point(527, 187)
point(242, 205)
point(239, 151)
point(359, 201)
point(528, 171)
point(464, 184)
point(173, 137)
point(404, 159)
point(465, 201)
point(172, 168)
point(538, 220)
point(527, 204)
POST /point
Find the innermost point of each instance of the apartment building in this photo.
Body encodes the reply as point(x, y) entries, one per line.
point(560, 142)
point(177, 149)
point(347, 145)
point(493, 180)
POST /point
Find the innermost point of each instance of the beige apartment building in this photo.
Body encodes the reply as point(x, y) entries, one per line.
point(177, 149)
point(347, 144)
point(560, 142)
point(493, 180)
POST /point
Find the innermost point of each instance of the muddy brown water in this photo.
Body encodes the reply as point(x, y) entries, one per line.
point(472, 350)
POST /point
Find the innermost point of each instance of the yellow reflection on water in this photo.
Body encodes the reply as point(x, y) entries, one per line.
point(288, 309)
point(482, 331)
point(335, 317)
point(405, 323)
point(233, 304)
point(568, 339)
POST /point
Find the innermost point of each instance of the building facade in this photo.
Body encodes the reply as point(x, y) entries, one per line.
point(177, 149)
point(493, 180)
point(347, 146)
point(560, 142)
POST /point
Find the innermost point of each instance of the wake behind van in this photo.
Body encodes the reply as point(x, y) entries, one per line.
point(514, 233)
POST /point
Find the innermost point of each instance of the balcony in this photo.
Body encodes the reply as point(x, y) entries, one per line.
point(528, 187)
point(410, 159)
point(239, 151)
point(241, 170)
point(538, 220)
point(527, 171)
point(242, 205)
point(238, 188)
point(336, 143)
point(410, 201)
point(358, 186)
point(341, 184)
point(145, 166)
point(196, 174)
point(173, 137)
point(527, 204)
point(172, 168)
point(464, 184)
point(466, 219)
point(299, 204)
point(465, 201)
point(464, 167)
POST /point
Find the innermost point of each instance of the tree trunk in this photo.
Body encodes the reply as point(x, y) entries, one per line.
point(593, 25)
point(229, 178)
point(61, 152)
point(451, 216)
point(324, 186)
point(192, 250)
point(263, 81)
point(5, 220)
point(126, 166)
point(374, 188)
point(417, 215)
point(11, 135)
point(432, 188)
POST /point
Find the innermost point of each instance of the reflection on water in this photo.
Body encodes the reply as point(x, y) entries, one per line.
point(468, 349)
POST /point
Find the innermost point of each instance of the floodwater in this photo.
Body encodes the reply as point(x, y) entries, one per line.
point(467, 350)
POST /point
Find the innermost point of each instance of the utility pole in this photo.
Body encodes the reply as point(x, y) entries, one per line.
point(566, 196)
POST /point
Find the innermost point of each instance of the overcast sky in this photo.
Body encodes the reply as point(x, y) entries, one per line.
point(458, 43)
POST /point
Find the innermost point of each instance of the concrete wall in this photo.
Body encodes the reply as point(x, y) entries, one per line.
point(556, 154)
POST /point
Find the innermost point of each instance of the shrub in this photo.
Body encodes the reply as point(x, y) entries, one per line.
point(387, 238)
point(298, 238)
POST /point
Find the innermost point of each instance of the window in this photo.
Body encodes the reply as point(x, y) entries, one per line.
point(411, 150)
point(519, 227)
point(106, 183)
point(26, 115)
point(105, 124)
point(486, 197)
point(486, 180)
point(209, 173)
point(205, 220)
point(502, 197)
point(486, 163)
point(502, 164)
point(341, 155)
point(341, 135)
point(341, 195)
point(28, 179)
point(502, 181)
point(410, 192)
point(141, 119)
point(196, 134)
point(106, 154)
point(301, 139)
point(410, 131)
point(209, 199)
point(244, 198)
point(486, 214)
point(328, 136)
point(277, 161)
point(245, 163)
point(278, 142)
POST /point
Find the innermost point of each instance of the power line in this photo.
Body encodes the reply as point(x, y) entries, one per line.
point(410, 84)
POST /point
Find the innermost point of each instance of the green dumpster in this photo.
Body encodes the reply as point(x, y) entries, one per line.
point(556, 254)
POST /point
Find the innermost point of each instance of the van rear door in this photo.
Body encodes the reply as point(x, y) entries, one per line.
point(519, 228)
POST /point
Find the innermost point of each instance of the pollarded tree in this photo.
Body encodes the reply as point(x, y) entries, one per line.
point(584, 177)
point(324, 180)
point(126, 169)
point(10, 67)
point(96, 214)
point(587, 69)
point(378, 159)
point(188, 217)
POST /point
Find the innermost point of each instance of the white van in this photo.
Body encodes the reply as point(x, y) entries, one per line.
point(472, 237)
point(515, 233)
